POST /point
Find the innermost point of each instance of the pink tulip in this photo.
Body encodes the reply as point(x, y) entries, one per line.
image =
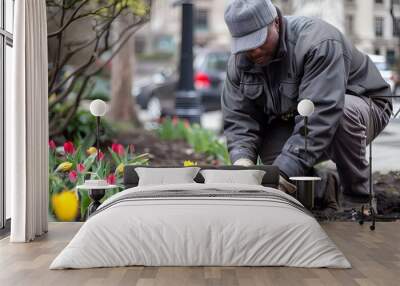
point(80, 168)
point(73, 176)
point(111, 179)
point(69, 147)
point(52, 145)
point(118, 148)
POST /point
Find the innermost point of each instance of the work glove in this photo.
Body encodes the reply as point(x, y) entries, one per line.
point(243, 162)
point(286, 186)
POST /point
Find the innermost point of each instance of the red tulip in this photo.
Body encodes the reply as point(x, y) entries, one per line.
point(118, 148)
point(80, 167)
point(111, 179)
point(69, 147)
point(52, 145)
point(101, 155)
point(73, 176)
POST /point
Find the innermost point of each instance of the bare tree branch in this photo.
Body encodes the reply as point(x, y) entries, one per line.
point(65, 93)
point(123, 39)
point(73, 110)
point(58, 53)
point(88, 63)
point(69, 12)
point(73, 18)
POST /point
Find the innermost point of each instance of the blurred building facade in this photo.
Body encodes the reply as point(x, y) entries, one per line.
point(367, 23)
point(370, 26)
point(162, 34)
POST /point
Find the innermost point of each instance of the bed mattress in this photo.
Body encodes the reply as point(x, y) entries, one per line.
point(201, 225)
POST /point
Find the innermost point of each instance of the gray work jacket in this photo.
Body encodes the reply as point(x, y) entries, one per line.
point(314, 61)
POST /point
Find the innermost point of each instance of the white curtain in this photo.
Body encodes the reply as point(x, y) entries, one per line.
point(27, 123)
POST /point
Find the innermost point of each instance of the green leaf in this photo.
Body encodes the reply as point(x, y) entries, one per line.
point(139, 157)
point(115, 156)
point(89, 161)
point(84, 202)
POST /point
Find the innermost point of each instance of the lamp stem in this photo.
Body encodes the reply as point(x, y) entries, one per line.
point(98, 137)
point(305, 134)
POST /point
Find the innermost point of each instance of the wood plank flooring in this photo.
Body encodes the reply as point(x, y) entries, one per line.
point(375, 257)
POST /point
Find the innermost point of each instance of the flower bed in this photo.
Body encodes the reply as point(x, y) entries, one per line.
point(69, 166)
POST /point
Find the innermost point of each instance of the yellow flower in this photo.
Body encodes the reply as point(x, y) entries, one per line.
point(64, 166)
point(91, 150)
point(120, 168)
point(65, 205)
point(188, 163)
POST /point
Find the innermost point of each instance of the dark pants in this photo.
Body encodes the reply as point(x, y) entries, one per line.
point(348, 146)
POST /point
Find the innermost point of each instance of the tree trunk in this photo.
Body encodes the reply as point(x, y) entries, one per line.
point(123, 104)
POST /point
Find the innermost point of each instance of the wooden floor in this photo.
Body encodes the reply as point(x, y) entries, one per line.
point(375, 257)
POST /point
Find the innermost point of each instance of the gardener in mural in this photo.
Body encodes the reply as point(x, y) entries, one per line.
point(277, 61)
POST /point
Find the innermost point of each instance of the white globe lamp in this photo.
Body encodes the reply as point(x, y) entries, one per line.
point(305, 107)
point(98, 108)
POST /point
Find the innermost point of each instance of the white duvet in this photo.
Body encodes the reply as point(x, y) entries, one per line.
point(208, 230)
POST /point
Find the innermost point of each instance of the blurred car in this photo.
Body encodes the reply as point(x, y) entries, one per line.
point(157, 95)
point(388, 75)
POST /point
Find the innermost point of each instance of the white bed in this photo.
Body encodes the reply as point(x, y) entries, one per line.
point(201, 224)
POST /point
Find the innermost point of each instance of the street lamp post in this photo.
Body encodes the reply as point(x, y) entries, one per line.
point(187, 100)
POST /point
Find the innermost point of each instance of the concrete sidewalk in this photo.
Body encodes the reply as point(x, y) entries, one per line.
point(386, 147)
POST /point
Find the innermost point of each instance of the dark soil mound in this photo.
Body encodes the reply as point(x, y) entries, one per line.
point(387, 192)
point(171, 153)
point(387, 189)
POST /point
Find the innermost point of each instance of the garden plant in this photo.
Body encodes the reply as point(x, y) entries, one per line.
point(69, 166)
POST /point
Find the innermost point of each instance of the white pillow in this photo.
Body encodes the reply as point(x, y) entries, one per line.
point(165, 176)
point(248, 177)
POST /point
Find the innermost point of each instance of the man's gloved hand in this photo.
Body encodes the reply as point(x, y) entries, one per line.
point(243, 162)
point(286, 186)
